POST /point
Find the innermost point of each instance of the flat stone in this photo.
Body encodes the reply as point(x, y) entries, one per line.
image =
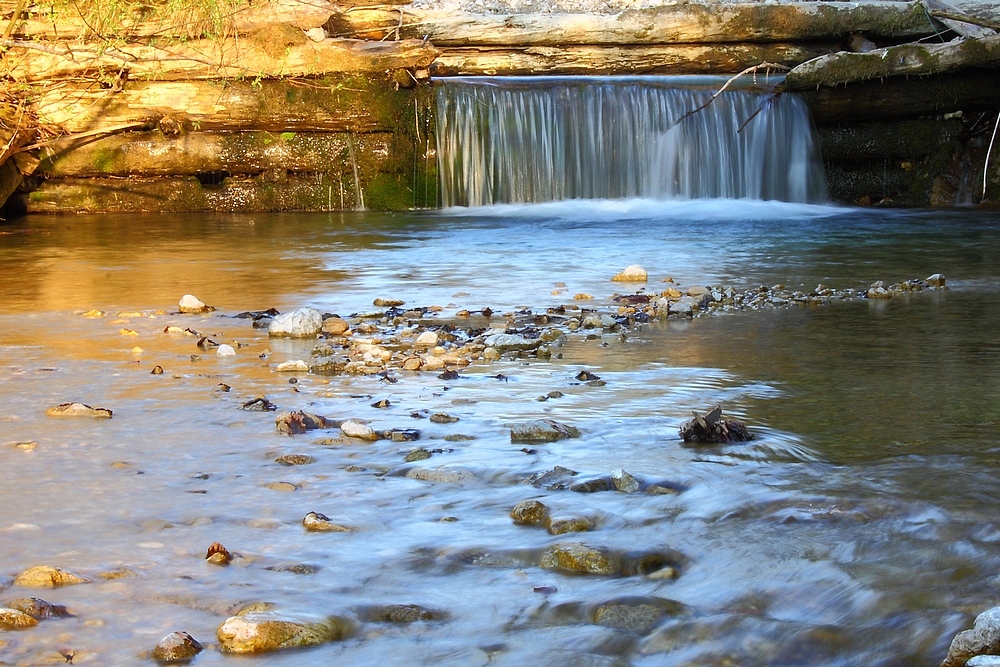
point(258, 632)
point(79, 410)
point(505, 342)
point(576, 557)
point(388, 303)
point(284, 487)
point(541, 430)
point(298, 323)
point(638, 614)
point(443, 418)
point(44, 576)
point(176, 647)
point(292, 366)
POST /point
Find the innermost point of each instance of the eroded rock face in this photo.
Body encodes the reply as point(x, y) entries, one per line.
point(262, 631)
point(298, 323)
point(45, 576)
point(176, 647)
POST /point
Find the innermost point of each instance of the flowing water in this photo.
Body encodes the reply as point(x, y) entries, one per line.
point(859, 528)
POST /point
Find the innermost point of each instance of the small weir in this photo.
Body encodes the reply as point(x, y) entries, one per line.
point(538, 139)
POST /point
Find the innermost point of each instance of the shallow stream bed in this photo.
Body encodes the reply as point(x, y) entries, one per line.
point(859, 527)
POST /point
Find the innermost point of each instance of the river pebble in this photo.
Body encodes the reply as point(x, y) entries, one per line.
point(45, 576)
point(321, 523)
point(176, 647)
point(530, 513)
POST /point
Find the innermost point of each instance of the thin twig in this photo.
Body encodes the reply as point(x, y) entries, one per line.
point(965, 18)
point(9, 30)
point(748, 70)
point(114, 129)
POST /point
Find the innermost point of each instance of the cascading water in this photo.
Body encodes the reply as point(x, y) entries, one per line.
point(512, 140)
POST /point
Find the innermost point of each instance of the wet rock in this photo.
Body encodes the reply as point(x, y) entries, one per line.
point(632, 274)
point(557, 478)
point(192, 304)
point(218, 554)
point(14, 619)
point(401, 434)
point(176, 647)
point(298, 421)
point(530, 513)
point(294, 460)
point(295, 568)
point(292, 366)
point(440, 475)
point(44, 576)
point(78, 410)
point(712, 428)
point(935, 280)
point(354, 428)
point(683, 307)
point(334, 326)
point(576, 557)
point(593, 485)
point(569, 524)
point(298, 323)
point(321, 523)
point(982, 639)
point(417, 455)
point(261, 631)
point(586, 376)
point(878, 291)
point(401, 613)
point(504, 342)
point(225, 351)
point(384, 403)
point(635, 614)
point(157, 370)
point(443, 418)
point(329, 365)
point(39, 609)
point(259, 404)
point(984, 661)
point(284, 487)
point(624, 482)
point(388, 303)
point(426, 339)
point(542, 430)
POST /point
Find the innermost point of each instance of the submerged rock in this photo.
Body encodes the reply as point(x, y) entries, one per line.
point(443, 418)
point(176, 647)
point(576, 557)
point(982, 639)
point(635, 614)
point(78, 410)
point(402, 613)
point(45, 576)
point(529, 513)
point(14, 619)
point(712, 428)
point(298, 323)
point(261, 631)
point(542, 430)
point(294, 460)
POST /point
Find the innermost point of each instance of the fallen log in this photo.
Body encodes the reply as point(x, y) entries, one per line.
point(669, 24)
point(894, 61)
point(596, 60)
point(31, 61)
point(956, 21)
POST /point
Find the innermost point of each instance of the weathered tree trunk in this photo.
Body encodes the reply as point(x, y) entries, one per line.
point(593, 60)
point(964, 25)
point(903, 60)
point(670, 24)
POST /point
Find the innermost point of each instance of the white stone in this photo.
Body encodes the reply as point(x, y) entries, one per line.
point(293, 366)
point(316, 34)
point(504, 341)
point(984, 661)
point(632, 274)
point(225, 351)
point(427, 339)
point(298, 323)
point(191, 304)
point(357, 429)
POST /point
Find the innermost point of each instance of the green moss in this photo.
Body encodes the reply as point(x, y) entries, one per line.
point(388, 192)
point(104, 161)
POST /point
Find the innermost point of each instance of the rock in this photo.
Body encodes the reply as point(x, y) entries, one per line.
point(295, 568)
point(582, 296)
point(935, 280)
point(39, 609)
point(638, 614)
point(878, 291)
point(426, 339)
point(667, 573)
point(284, 487)
point(298, 421)
point(569, 524)
point(504, 342)
point(542, 430)
point(624, 482)
point(335, 326)
point(176, 647)
point(402, 613)
point(593, 485)
point(412, 364)
point(388, 303)
point(218, 554)
point(712, 428)
point(684, 307)
point(440, 475)
point(260, 631)
point(321, 523)
point(292, 366)
point(984, 661)
point(576, 557)
point(192, 304)
point(982, 639)
point(557, 478)
point(330, 365)
point(401, 434)
point(529, 513)
point(443, 418)
point(259, 404)
point(298, 323)
point(294, 460)
point(44, 576)
point(415, 455)
point(354, 428)
point(632, 274)
point(225, 351)
point(78, 410)
point(698, 291)
point(14, 619)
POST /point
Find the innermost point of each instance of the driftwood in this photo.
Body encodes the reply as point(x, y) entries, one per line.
point(594, 60)
point(712, 428)
point(209, 59)
point(956, 21)
point(670, 24)
point(903, 60)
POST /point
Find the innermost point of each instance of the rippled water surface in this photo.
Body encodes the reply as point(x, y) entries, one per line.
point(860, 528)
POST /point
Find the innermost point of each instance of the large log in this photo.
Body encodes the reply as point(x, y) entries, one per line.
point(903, 60)
point(210, 59)
point(669, 24)
point(593, 60)
point(355, 104)
point(256, 17)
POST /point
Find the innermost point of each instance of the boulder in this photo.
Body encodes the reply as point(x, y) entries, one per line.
point(44, 576)
point(176, 647)
point(298, 323)
point(529, 513)
point(541, 430)
point(39, 609)
point(189, 303)
point(261, 631)
point(632, 274)
point(982, 639)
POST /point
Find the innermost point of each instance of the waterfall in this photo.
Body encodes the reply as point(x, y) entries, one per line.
point(521, 139)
